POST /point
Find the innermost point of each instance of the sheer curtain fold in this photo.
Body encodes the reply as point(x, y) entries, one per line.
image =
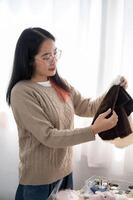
point(97, 43)
point(116, 32)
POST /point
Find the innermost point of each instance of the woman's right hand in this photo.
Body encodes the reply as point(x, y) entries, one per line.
point(102, 123)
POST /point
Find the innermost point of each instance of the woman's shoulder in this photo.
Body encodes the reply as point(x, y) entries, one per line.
point(24, 91)
point(21, 86)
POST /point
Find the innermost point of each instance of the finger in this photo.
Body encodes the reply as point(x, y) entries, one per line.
point(114, 121)
point(106, 113)
point(124, 84)
point(122, 78)
point(114, 117)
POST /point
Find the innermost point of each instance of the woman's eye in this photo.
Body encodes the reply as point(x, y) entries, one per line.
point(46, 58)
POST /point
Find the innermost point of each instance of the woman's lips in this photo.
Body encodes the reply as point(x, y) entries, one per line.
point(51, 69)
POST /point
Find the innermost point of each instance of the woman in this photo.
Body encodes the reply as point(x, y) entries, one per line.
point(43, 105)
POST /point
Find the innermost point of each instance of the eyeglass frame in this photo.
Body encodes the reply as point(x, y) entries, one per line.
point(50, 56)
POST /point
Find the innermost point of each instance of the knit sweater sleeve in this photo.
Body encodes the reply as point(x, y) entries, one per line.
point(84, 107)
point(32, 118)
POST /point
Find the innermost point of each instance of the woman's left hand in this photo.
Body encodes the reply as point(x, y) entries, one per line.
point(120, 80)
point(123, 82)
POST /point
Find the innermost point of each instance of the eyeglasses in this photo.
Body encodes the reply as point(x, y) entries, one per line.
point(49, 56)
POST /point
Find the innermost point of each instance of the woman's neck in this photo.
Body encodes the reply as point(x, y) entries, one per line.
point(39, 79)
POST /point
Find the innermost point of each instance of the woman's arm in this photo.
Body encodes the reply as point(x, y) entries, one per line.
point(31, 117)
point(84, 107)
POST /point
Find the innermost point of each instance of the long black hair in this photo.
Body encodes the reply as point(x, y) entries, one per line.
point(27, 47)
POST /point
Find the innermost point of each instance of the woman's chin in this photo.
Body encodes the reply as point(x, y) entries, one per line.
point(52, 72)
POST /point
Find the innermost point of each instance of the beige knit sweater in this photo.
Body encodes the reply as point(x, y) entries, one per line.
point(45, 129)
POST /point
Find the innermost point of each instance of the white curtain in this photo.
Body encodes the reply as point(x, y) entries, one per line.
point(96, 39)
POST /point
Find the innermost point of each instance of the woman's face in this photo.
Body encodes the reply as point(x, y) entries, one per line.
point(45, 61)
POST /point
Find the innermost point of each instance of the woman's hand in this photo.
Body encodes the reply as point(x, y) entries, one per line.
point(102, 123)
point(120, 80)
point(123, 82)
